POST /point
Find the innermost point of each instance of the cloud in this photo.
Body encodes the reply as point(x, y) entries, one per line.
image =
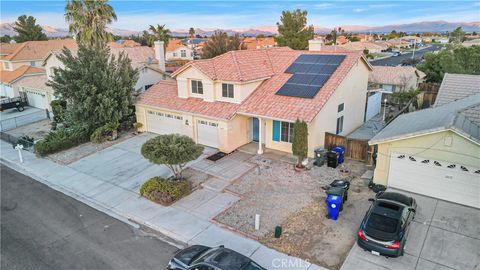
point(323, 5)
point(360, 9)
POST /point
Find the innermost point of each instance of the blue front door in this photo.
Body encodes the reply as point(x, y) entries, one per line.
point(255, 129)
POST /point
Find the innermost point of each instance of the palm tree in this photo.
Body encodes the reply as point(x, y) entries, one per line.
point(88, 20)
point(191, 33)
point(161, 33)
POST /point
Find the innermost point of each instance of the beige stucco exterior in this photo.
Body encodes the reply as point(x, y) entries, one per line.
point(177, 54)
point(445, 145)
point(13, 65)
point(237, 131)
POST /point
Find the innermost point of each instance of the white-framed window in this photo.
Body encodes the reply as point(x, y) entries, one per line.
point(183, 53)
point(52, 71)
point(227, 90)
point(339, 125)
point(175, 54)
point(197, 87)
point(286, 132)
point(7, 65)
point(32, 63)
point(341, 107)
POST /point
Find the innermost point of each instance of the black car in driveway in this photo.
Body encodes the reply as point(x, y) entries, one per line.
point(385, 227)
point(199, 257)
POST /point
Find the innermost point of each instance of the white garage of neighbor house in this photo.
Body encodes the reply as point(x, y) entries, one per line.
point(435, 152)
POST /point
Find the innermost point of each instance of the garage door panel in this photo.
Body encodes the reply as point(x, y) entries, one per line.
point(36, 99)
point(207, 133)
point(435, 179)
point(164, 123)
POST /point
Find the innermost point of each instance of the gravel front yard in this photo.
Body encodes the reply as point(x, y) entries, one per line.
point(36, 130)
point(296, 201)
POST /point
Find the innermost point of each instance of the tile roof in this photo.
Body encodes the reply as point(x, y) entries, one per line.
point(140, 55)
point(452, 116)
point(360, 46)
point(393, 75)
point(457, 86)
point(174, 44)
point(8, 48)
point(35, 50)
point(164, 94)
point(11, 76)
point(249, 65)
point(123, 43)
point(252, 43)
point(265, 102)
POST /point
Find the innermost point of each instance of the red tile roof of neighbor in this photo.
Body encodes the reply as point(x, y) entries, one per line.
point(35, 50)
point(250, 65)
point(11, 76)
point(393, 75)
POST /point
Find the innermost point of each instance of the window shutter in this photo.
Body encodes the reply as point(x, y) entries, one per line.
point(276, 131)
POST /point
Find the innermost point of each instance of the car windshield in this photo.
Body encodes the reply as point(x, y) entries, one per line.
point(382, 223)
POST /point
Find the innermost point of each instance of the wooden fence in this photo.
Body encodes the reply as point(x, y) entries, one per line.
point(354, 149)
point(430, 92)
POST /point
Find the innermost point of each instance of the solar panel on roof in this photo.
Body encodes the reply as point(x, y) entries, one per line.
point(310, 73)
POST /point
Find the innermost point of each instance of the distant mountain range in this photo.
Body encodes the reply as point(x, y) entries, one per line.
point(430, 26)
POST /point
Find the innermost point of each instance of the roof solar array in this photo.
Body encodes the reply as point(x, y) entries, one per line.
point(310, 73)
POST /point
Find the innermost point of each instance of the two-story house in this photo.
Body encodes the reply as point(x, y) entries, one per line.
point(395, 79)
point(177, 50)
point(22, 71)
point(256, 95)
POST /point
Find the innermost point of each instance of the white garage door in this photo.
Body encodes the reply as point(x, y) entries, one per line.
point(36, 99)
point(440, 179)
point(207, 133)
point(164, 123)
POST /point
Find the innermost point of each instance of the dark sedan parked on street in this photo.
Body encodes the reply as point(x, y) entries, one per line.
point(385, 227)
point(199, 257)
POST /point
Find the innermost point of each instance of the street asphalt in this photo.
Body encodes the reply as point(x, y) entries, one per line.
point(44, 229)
point(397, 60)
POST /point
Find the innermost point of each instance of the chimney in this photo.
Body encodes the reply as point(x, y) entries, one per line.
point(160, 54)
point(315, 44)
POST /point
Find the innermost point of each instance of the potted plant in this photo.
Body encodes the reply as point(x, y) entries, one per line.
point(136, 127)
point(300, 143)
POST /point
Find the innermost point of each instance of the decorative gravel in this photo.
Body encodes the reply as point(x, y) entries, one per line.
point(275, 191)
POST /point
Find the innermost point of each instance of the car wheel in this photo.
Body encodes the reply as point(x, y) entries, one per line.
point(20, 108)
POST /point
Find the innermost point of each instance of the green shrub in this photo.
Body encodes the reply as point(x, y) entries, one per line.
point(99, 135)
point(164, 191)
point(61, 139)
point(58, 109)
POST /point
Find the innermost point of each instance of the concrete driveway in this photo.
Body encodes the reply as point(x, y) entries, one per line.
point(443, 235)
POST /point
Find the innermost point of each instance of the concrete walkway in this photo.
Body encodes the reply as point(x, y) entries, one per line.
point(184, 221)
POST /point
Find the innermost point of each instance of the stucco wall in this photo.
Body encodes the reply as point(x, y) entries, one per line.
point(446, 145)
point(212, 90)
point(147, 76)
point(169, 55)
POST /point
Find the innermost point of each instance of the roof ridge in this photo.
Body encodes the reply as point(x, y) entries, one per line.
point(269, 61)
point(21, 47)
point(236, 65)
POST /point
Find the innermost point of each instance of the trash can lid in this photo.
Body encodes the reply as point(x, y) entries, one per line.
point(335, 191)
point(334, 199)
point(338, 149)
point(340, 183)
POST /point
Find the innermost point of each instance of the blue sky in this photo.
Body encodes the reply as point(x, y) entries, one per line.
point(137, 15)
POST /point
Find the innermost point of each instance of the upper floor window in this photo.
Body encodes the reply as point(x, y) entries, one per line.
point(339, 125)
point(197, 87)
point(7, 65)
point(174, 54)
point(183, 53)
point(286, 132)
point(227, 90)
point(341, 107)
point(52, 71)
point(32, 63)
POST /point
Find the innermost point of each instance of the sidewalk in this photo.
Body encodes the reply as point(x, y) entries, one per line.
point(123, 203)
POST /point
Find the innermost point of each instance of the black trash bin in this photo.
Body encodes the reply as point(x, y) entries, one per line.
point(332, 159)
point(342, 184)
point(320, 156)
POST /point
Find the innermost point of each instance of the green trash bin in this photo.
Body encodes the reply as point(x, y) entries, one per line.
point(320, 156)
point(338, 191)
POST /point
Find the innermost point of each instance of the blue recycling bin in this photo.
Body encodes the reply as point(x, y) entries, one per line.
point(341, 153)
point(334, 202)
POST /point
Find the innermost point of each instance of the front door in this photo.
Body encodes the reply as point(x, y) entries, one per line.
point(255, 125)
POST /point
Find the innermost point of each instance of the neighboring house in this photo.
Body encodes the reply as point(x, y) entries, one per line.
point(436, 151)
point(150, 65)
point(21, 69)
point(30, 53)
point(176, 50)
point(395, 79)
point(397, 43)
point(249, 95)
point(412, 40)
point(123, 44)
point(341, 40)
point(24, 79)
point(372, 47)
point(473, 42)
point(252, 43)
point(364, 37)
